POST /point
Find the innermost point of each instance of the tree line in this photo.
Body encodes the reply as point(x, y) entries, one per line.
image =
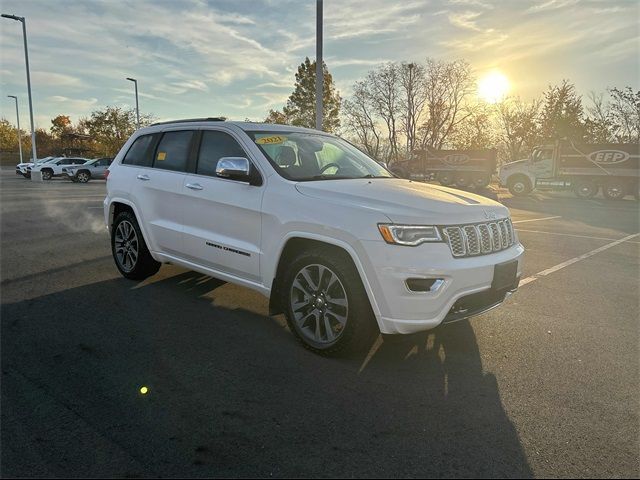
point(100, 134)
point(396, 108)
point(399, 107)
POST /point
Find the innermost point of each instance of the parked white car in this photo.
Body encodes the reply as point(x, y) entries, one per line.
point(22, 168)
point(53, 168)
point(332, 238)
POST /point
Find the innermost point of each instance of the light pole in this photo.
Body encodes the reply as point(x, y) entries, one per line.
point(26, 61)
point(18, 121)
point(319, 70)
point(135, 82)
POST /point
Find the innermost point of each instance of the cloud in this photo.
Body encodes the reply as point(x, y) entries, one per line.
point(74, 104)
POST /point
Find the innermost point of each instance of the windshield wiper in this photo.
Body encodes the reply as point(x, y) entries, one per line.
point(330, 177)
point(377, 176)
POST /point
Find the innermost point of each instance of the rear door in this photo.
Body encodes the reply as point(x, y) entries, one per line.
point(157, 183)
point(222, 217)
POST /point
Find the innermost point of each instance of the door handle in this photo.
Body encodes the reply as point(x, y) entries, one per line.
point(194, 186)
point(143, 177)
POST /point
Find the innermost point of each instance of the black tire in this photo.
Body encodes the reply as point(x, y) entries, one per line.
point(360, 327)
point(463, 179)
point(446, 178)
point(614, 189)
point(83, 176)
point(144, 265)
point(585, 189)
point(519, 186)
point(481, 180)
point(47, 174)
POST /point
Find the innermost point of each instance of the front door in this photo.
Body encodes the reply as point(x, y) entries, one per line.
point(222, 217)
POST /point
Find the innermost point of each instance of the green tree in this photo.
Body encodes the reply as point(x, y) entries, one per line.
point(300, 109)
point(562, 113)
point(110, 128)
point(60, 125)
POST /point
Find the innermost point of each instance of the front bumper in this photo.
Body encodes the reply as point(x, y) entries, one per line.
point(466, 287)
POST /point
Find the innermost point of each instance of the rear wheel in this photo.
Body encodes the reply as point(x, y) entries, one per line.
point(83, 177)
point(327, 308)
point(614, 189)
point(129, 249)
point(481, 180)
point(585, 189)
point(519, 186)
point(446, 178)
point(463, 179)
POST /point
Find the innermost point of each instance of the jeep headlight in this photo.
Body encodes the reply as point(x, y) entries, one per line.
point(409, 235)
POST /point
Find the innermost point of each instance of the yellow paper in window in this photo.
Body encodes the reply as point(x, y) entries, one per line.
point(272, 140)
point(162, 155)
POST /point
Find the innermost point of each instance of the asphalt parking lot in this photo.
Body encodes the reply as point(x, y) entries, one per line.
point(545, 386)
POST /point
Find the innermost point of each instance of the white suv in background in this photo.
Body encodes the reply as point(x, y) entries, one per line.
point(53, 168)
point(337, 243)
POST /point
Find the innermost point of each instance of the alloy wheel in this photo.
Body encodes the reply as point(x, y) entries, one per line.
point(319, 305)
point(126, 245)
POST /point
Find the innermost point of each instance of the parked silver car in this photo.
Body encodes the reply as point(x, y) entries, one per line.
point(93, 169)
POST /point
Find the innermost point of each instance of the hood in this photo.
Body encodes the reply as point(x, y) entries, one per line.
point(506, 166)
point(406, 201)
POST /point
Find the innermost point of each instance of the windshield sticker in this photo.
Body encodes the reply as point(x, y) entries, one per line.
point(162, 155)
point(270, 140)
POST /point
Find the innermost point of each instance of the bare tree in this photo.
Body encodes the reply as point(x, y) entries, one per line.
point(413, 93)
point(476, 131)
point(625, 114)
point(359, 112)
point(383, 84)
point(449, 87)
point(518, 126)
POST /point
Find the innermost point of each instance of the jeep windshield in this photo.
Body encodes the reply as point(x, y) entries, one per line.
point(302, 156)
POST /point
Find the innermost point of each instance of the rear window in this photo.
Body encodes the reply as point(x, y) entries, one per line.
point(173, 151)
point(138, 153)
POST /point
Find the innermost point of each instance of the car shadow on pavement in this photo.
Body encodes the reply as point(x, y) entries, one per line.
point(231, 394)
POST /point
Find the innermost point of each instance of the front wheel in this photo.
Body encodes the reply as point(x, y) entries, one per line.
point(327, 308)
point(129, 249)
point(47, 174)
point(519, 186)
point(83, 177)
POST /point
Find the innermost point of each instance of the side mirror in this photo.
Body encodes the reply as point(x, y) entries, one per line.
point(233, 167)
point(238, 168)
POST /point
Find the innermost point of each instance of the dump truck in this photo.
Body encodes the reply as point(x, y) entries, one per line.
point(582, 168)
point(462, 168)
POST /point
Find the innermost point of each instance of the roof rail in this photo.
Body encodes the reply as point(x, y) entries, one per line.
point(188, 120)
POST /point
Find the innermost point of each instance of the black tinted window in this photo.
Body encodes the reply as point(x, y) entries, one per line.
point(138, 153)
point(214, 146)
point(173, 151)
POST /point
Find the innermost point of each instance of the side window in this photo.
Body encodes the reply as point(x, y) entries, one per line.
point(213, 147)
point(173, 151)
point(138, 152)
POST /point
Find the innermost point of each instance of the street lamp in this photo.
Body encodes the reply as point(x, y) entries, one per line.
point(18, 121)
point(319, 70)
point(137, 108)
point(26, 61)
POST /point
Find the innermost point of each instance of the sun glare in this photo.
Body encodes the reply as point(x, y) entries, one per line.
point(493, 87)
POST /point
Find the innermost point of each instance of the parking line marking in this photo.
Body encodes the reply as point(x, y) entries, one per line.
point(536, 219)
point(560, 266)
point(564, 234)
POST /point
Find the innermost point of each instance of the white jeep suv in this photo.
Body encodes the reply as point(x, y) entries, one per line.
point(337, 243)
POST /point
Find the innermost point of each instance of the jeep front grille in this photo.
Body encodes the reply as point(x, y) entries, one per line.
point(479, 238)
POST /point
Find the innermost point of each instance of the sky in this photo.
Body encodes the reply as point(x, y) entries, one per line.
point(199, 58)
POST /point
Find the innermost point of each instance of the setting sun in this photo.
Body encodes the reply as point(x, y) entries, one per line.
point(493, 87)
